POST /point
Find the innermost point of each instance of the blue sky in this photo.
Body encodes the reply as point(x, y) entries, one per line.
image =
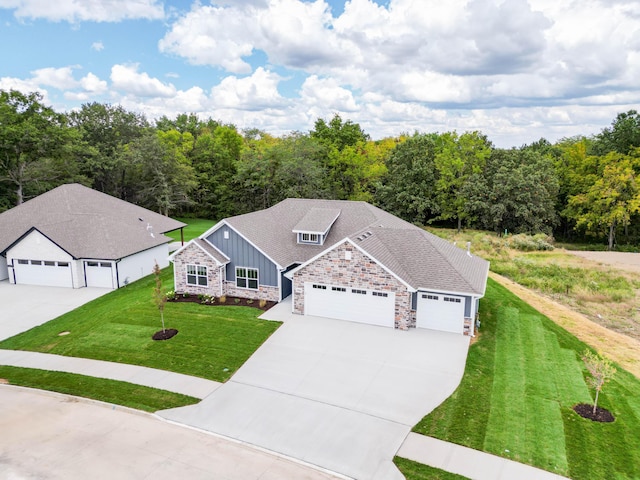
point(516, 70)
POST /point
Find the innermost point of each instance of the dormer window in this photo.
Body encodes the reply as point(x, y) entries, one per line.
point(309, 238)
point(313, 228)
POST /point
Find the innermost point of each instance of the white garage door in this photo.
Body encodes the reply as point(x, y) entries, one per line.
point(49, 273)
point(353, 304)
point(440, 312)
point(98, 274)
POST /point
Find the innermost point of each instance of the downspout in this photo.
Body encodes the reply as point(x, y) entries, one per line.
point(117, 274)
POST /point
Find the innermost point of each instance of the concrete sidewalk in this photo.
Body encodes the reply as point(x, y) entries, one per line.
point(465, 461)
point(149, 377)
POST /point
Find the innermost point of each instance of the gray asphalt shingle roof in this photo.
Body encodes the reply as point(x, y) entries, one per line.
point(211, 250)
point(317, 220)
point(419, 258)
point(87, 223)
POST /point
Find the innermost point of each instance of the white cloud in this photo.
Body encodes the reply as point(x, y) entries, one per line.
point(127, 79)
point(211, 36)
point(92, 84)
point(60, 78)
point(327, 94)
point(85, 10)
point(97, 46)
point(256, 92)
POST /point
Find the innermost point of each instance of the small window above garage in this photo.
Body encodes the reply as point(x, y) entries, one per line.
point(314, 227)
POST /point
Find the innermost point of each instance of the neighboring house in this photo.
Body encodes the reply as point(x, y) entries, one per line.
point(338, 259)
point(73, 236)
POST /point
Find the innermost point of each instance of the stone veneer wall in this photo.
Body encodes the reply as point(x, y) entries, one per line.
point(193, 255)
point(360, 272)
point(265, 292)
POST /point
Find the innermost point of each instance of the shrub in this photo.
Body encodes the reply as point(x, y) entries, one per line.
point(262, 303)
point(223, 299)
point(236, 300)
point(249, 302)
point(529, 243)
point(171, 295)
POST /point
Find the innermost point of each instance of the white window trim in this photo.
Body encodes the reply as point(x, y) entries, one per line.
point(309, 238)
point(197, 275)
point(247, 278)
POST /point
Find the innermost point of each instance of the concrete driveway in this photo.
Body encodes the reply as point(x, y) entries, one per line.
point(336, 394)
point(51, 436)
point(23, 307)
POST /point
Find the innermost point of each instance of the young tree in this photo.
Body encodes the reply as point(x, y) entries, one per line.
point(601, 370)
point(158, 294)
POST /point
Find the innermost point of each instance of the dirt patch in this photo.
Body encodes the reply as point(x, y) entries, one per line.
point(620, 348)
point(165, 334)
point(622, 260)
point(601, 414)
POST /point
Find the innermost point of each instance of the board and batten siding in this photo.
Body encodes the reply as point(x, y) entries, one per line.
point(243, 254)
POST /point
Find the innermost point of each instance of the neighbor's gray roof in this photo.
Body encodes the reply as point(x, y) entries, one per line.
point(418, 257)
point(87, 223)
point(317, 220)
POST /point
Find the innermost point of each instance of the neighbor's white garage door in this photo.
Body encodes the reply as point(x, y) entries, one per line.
point(98, 274)
point(345, 303)
point(42, 272)
point(440, 312)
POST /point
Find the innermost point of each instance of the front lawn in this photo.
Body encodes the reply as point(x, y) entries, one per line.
point(213, 341)
point(523, 376)
point(110, 391)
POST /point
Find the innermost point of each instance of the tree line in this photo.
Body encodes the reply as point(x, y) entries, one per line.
point(186, 166)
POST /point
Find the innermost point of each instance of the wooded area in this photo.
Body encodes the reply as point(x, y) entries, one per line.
point(186, 166)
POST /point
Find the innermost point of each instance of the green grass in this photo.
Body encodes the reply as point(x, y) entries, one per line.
point(522, 378)
point(110, 391)
point(213, 341)
point(195, 227)
point(417, 471)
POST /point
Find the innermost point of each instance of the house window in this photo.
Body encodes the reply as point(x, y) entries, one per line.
point(36, 262)
point(451, 299)
point(49, 263)
point(309, 237)
point(338, 289)
point(247, 278)
point(197, 275)
point(321, 287)
point(380, 294)
point(225, 234)
point(359, 292)
point(93, 264)
point(63, 264)
point(430, 297)
point(23, 262)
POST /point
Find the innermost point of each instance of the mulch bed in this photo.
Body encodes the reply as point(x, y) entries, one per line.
point(230, 301)
point(586, 411)
point(165, 334)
